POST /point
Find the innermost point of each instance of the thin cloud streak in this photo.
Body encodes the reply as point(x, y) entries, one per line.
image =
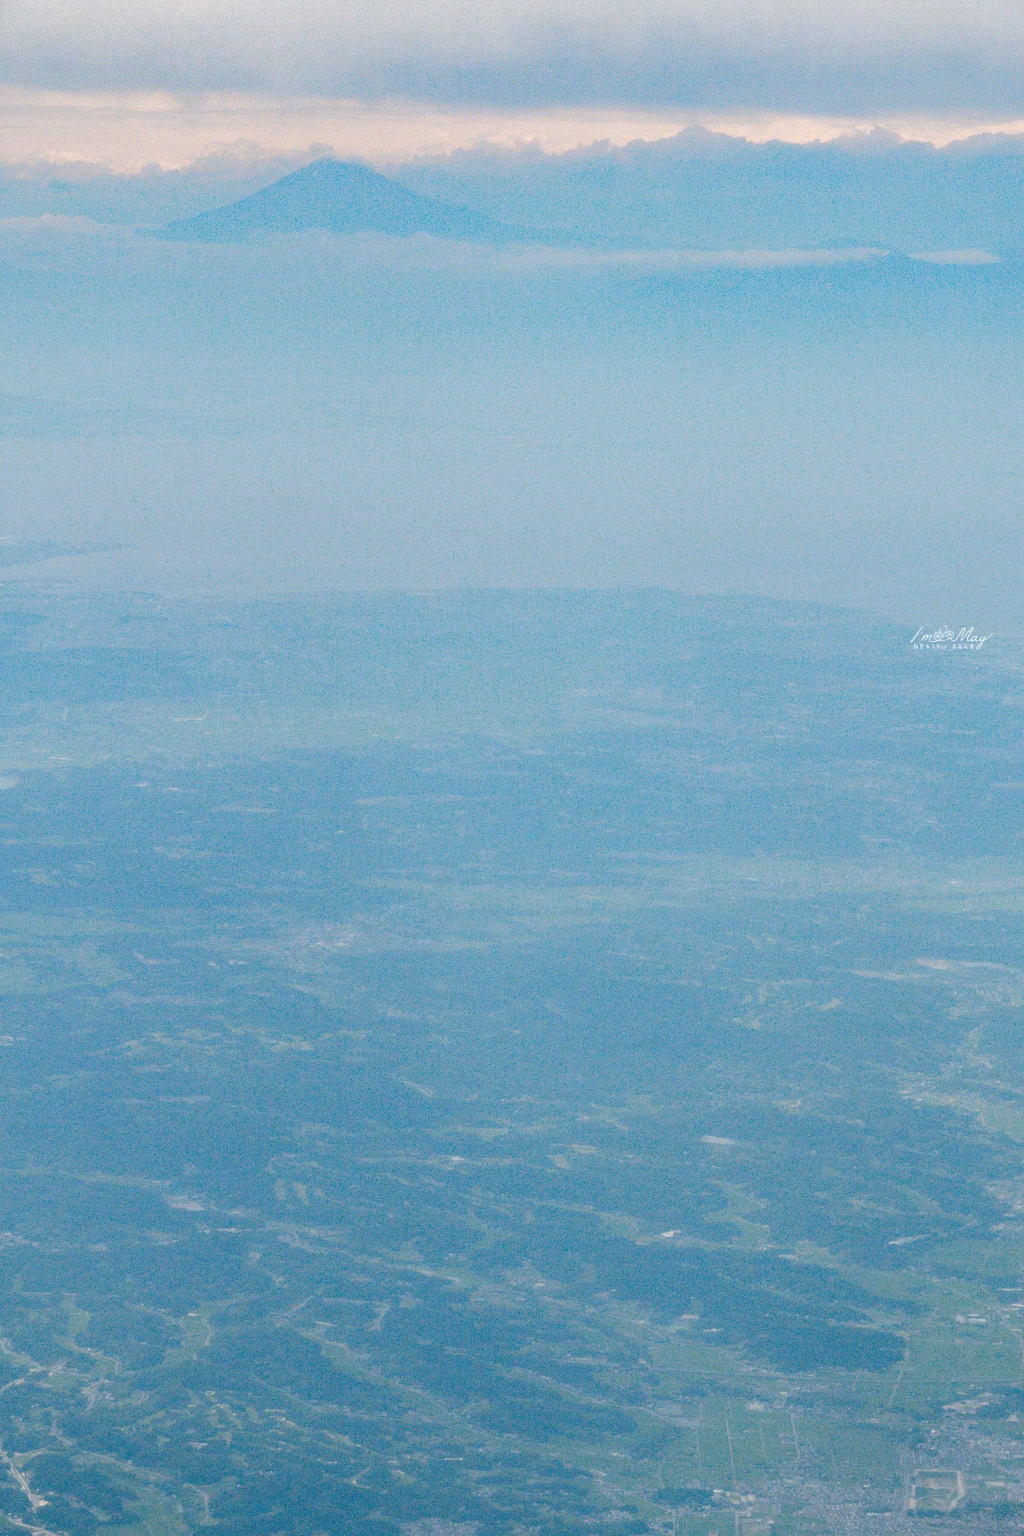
point(956, 258)
point(83, 245)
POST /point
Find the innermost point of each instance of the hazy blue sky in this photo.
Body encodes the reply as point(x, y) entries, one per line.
point(327, 412)
point(736, 374)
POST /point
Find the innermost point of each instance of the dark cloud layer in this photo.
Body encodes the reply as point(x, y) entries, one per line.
point(805, 56)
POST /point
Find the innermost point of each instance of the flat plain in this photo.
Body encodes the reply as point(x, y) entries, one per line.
point(508, 1063)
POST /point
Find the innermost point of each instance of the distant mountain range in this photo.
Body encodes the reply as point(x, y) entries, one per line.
point(344, 198)
point(694, 191)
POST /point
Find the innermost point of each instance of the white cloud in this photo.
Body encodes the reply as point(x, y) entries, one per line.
point(956, 258)
point(691, 261)
point(133, 130)
point(806, 54)
point(82, 245)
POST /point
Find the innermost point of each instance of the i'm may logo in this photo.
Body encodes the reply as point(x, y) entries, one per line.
point(946, 639)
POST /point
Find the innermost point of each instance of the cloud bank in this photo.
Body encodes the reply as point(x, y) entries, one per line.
point(797, 54)
point(708, 191)
point(695, 194)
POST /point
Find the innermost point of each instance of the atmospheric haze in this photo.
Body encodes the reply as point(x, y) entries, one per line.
point(788, 369)
point(319, 410)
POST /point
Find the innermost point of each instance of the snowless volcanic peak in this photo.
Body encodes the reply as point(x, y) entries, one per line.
point(344, 197)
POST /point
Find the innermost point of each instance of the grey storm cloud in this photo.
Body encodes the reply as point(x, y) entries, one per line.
point(841, 56)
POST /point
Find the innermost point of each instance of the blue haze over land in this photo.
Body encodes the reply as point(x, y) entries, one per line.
point(507, 1064)
point(603, 404)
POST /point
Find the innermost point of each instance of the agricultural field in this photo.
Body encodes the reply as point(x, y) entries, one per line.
point(507, 1065)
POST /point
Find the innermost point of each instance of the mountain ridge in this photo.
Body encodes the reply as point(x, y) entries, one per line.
point(343, 197)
